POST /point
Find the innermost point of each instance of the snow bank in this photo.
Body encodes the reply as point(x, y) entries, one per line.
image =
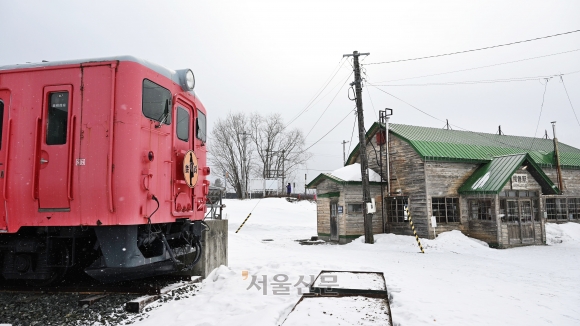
point(567, 233)
point(352, 173)
point(458, 281)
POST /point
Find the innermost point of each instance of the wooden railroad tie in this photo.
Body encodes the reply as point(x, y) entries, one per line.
point(138, 304)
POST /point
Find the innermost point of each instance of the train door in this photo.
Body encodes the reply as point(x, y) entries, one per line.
point(4, 109)
point(182, 144)
point(55, 144)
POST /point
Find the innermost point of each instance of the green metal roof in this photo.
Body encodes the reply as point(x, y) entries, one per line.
point(465, 146)
point(327, 176)
point(491, 177)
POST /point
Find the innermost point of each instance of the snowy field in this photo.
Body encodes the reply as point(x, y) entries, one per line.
point(458, 281)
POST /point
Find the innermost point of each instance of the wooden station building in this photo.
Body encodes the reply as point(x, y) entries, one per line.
point(497, 188)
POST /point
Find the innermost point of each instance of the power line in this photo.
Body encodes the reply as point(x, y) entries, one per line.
point(480, 67)
point(340, 64)
point(456, 126)
point(409, 104)
point(572, 106)
point(316, 142)
point(352, 133)
point(485, 81)
point(540, 116)
point(329, 104)
point(473, 50)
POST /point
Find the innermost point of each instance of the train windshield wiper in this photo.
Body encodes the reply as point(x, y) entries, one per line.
point(164, 116)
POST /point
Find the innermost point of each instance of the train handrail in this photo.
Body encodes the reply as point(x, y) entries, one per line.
point(4, 192)
point(71, 154)
point(37, 134)
point(110, 153)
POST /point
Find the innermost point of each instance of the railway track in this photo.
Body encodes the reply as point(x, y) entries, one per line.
point(150, 286)
point(90, 304)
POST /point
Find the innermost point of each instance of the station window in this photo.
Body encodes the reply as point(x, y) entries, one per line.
point(156, 102)
point(201, 127)
point(57, 118)
point(396, 208)
point(556, 208)
point(563, 208)
point(480, 209)
point(354, 208)
point(182, 124)
point(574, 208)
point(446, 210)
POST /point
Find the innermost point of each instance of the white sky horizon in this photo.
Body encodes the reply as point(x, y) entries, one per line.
point(274, 57)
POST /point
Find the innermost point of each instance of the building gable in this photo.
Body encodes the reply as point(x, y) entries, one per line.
point(491, 177)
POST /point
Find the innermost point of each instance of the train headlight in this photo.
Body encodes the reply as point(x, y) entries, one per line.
point(187, 79)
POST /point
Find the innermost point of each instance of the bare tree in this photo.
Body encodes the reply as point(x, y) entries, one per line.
point(230, 153)
point(279, 151)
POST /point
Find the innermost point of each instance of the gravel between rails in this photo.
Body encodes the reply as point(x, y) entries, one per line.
point(28, 309)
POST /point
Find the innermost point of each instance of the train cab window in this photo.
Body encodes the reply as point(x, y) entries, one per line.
point(201, 127)
point(182, 129)
point(156, 102)
point(1, 121)
point(57, 118)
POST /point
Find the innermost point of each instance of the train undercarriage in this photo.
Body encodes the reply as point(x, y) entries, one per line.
point(44, 255)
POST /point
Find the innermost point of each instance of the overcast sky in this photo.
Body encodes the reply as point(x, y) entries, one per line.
point(275, 56)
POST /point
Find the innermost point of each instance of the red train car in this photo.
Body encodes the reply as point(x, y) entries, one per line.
point(102, 168)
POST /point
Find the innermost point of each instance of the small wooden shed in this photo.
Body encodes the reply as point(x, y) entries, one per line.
point(339, 203)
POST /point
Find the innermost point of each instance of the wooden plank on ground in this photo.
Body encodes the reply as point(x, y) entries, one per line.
point(139, 303)
point(91, 299)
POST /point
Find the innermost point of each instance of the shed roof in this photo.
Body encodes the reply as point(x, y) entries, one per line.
point(327, 176)
point(466, 146)
point(491, 177)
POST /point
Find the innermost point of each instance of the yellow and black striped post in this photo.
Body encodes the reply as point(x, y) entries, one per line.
point(243, 222)
point(412, 227)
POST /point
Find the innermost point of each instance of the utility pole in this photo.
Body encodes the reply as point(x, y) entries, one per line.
point(244, 165)
point(364, 164)
point(283, 174)
point(344, 142)
point(283, 171)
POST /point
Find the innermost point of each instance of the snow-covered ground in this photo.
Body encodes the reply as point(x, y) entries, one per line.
point(458, 281)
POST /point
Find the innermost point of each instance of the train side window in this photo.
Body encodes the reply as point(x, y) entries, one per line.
point(156, 102)
point(57, 118)
point(182, 129)
point(200, 127)
point(1, 121)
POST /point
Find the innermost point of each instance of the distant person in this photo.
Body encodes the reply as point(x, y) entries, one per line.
point(288, 189)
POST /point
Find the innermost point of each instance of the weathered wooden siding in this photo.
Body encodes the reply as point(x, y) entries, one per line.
point(483, 230)
point(354, 222)
point(323, 207)
point(444, 180)
point(350, 225)
point(408, 175)
point(571, 179)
